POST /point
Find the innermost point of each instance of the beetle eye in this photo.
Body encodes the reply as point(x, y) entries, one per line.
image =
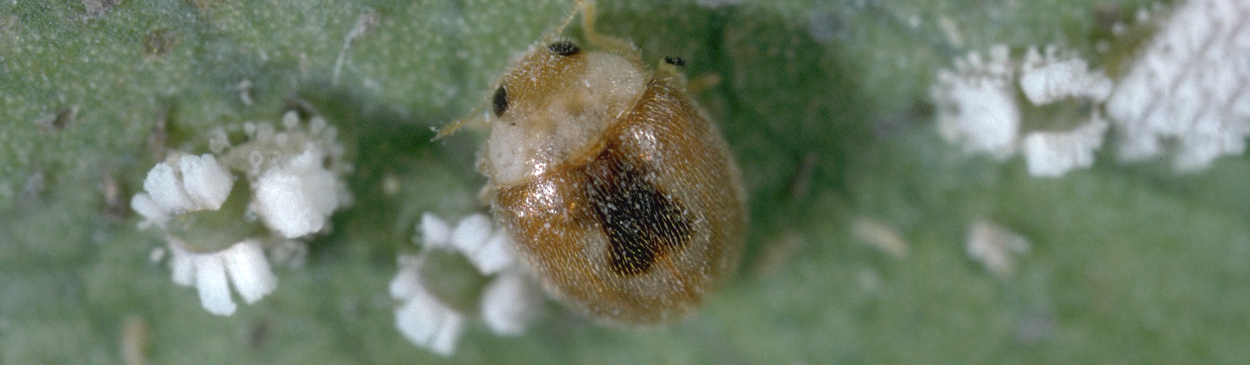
point(564, 48)
point(500, 101)
point(675, 61)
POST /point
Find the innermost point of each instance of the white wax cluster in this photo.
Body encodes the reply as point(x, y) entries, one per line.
point(508, 302)
point(293, 192)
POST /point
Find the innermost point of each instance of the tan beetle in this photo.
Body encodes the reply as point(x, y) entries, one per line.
point(619, 191)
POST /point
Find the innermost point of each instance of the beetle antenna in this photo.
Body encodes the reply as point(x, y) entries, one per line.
point(452, 127)
point(572, 13)
point(599, 40)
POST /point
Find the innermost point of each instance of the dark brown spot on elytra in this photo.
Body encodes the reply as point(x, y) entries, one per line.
point(641, 222)
point(564, 48)
point(499, 102)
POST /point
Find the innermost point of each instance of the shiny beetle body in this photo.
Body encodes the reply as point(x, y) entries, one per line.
point(618, 190)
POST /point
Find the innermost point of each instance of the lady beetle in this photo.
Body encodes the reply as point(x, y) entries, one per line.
point(618, 190)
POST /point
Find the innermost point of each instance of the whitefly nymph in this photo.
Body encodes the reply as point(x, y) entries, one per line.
point(619, 191)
